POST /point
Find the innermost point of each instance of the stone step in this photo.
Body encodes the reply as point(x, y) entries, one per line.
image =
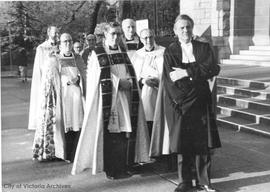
point(239, 113)
point(242, 82)
point(251, 57)
point(248, 72)
point(244, 88)
point(255, 52)
point(244, 105)
point(240, 125)
point(250, 114)
point(244, 102)
point(265, 121)
point(243, 91)
point(240, 120)
point(232, 122)
point(261, 48)
point(245, 62)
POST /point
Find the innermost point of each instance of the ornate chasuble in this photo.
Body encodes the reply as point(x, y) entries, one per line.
point(51, 49)
point(105, 61)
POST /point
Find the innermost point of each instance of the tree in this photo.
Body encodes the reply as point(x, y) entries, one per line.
point(94, 15)
point(124, 10)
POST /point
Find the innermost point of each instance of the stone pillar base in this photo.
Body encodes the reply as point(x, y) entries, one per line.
point(238, 43)
point(261, 40)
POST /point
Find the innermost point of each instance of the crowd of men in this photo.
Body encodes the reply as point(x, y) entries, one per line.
point(119, 104)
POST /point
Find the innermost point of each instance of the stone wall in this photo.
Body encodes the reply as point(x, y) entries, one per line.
point(211, 19)
point(200, 12)
point(261, 22)
point(230, 25)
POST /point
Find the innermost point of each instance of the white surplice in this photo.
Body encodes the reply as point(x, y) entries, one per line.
point(72, 97)
point(149, 64)
point(89, 153)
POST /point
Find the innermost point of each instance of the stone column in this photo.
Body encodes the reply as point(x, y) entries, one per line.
point(262, 23)
point(220, 15)
point(241, 24)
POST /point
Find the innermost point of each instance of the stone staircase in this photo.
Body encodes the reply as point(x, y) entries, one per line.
point(243, 105)
point(243, 91)
point(256, 55)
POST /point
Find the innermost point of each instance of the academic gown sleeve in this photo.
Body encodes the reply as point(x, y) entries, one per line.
point(205, 67)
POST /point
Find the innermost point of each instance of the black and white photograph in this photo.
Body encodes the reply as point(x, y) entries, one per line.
point(135, 96)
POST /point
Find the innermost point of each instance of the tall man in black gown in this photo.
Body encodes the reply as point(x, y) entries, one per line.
point(188, 65)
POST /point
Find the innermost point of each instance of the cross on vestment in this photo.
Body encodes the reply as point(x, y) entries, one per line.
point(113, 115)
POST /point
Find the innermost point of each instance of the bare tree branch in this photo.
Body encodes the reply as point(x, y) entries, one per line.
point(73, 15)
point(94, 15)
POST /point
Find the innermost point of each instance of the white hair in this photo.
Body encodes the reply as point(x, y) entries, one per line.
point(126, 21)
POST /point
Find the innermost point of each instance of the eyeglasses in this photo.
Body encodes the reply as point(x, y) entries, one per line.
point(147, 37)
point(115, 33)
point(67, 41)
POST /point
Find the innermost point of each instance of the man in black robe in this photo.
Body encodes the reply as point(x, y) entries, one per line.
point(188, 65)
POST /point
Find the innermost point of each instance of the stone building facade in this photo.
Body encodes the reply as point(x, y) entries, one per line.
point(231, 25)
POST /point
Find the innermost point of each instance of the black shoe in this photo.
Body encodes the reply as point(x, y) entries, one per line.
point(123, 175)
point(205, 188)
point(110, 177)
point(135, 169)
point(183, 187)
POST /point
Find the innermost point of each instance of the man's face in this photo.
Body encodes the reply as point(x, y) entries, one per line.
point(54, 34)
point(77, 48)
point(91, 42)
point(129, 29)
point(147, 39)
point(112, 36)
point(65, 43)
point(184, 30)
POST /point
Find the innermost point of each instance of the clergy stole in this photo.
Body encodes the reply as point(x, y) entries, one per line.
point(105, 61)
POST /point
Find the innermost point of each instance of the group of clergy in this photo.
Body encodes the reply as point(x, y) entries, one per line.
point(115, 105)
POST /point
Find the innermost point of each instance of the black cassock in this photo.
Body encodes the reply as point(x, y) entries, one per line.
point(188, 101)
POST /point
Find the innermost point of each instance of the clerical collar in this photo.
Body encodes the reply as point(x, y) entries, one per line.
point(67, 55)
point(185, 43)
point(150, 50)
point(127, 40)
point(113, 49)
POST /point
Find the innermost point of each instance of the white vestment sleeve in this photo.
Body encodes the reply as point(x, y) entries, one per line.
point(89, 152)
point(35, 91)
